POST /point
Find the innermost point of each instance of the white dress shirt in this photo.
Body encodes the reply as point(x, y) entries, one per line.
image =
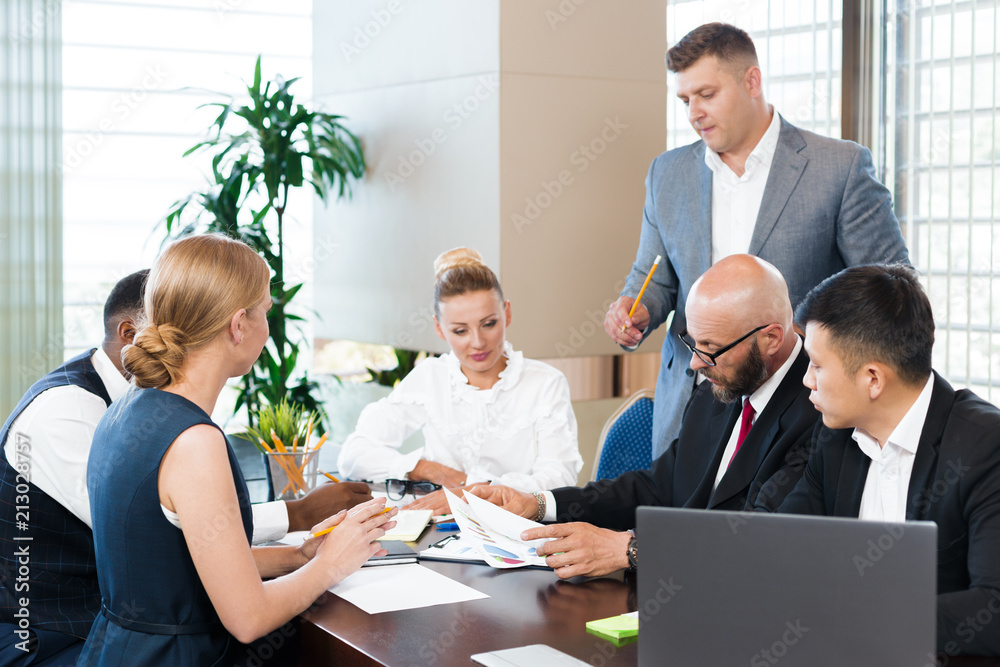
point(758, 400)
point(884, 495)
point(60, 426)
point(736, 199)
point(521, 432)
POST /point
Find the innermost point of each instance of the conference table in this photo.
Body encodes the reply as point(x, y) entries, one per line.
point(526, 606)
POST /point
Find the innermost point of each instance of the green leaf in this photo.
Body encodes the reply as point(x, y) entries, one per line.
point(260, 147)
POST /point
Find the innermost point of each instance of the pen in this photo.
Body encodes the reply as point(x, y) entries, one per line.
point(450, 525)
point(635, 304)
point(321, 533)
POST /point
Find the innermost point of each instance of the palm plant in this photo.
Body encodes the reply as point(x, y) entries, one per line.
point(261, 150)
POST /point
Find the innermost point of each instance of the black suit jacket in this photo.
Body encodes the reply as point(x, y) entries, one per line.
point(765, 469)
point(956, 484)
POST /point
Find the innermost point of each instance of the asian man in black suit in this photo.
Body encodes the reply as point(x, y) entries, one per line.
point(728, 456)
point(898, 443)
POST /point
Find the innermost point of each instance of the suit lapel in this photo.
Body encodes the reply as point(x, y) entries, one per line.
point(725, 416)
point(851, 485)
point(762, 436)
point(787, 167)
point(928, 449)
point(699, 201)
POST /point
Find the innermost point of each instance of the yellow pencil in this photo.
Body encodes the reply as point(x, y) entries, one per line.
point(321, 533)
point(330, 477)
point(635, 304)
point(309, 430)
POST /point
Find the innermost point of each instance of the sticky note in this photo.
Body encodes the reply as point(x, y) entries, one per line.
point(616, 627)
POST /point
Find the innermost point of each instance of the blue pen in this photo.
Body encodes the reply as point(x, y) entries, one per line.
point(450, 525)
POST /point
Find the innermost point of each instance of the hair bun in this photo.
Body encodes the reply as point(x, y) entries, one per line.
point(450, 259)
point(155, 356)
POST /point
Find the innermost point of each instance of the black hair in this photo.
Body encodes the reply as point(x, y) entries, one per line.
point(875, 313)
point(125, 300)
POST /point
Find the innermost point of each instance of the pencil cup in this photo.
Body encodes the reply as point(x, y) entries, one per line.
point(292, 475)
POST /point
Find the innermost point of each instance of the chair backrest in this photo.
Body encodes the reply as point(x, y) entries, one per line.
point(626, 442)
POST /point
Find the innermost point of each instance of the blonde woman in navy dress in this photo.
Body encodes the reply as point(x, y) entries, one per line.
point(180, 583)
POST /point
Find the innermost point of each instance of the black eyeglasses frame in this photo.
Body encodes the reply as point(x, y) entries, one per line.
point(710, 357)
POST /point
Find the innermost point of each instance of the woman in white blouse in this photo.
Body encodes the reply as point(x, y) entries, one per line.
point(487, 413)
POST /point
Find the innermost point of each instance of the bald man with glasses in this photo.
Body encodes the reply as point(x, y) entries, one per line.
point(743, 440)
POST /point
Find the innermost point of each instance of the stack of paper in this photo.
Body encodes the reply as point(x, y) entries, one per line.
point(409, 525)
point(494, 532)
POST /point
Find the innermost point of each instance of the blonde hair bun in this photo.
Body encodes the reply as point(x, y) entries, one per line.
point(155, 356)
point(456, 257)
point(193, 289)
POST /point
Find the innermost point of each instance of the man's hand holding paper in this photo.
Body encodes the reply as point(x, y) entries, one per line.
point(578, 549)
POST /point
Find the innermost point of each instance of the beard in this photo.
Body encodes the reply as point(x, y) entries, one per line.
point(745, 380)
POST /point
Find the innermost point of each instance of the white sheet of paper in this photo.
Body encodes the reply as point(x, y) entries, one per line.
point(294, 538)
point(494, 532)
point(379, 589)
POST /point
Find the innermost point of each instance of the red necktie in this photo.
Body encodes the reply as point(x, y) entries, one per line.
point(745, 423)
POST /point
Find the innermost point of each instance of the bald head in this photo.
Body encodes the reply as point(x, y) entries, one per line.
point(744, 290)
point(736, 295)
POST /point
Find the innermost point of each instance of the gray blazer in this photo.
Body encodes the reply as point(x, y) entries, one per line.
point(823, 210)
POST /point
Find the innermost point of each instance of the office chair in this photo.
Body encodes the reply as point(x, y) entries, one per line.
point(626, 441)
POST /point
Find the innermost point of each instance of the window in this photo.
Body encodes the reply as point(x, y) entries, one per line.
point(942, 148)
point(134, 73)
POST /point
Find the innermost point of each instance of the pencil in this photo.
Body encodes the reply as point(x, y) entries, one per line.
point(321, 533)
point(330, 477)
point(309, 430)
point(635, 304)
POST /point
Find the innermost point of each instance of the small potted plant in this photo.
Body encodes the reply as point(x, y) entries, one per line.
point(284, 435)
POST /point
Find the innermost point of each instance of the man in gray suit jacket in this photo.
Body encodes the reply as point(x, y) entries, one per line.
point(809, 205)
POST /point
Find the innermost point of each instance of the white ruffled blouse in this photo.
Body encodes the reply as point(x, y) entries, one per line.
point(520, 433)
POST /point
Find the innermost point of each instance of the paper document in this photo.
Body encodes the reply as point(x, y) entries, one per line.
point(452, 548)
point(380, 589)
point(495, 532)
point(409, 525)
point(528, 656)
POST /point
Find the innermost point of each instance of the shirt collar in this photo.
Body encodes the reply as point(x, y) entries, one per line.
point(762, 154)
point(508, 376)
point(114, 382)
point(906, 435)
point(760, 398)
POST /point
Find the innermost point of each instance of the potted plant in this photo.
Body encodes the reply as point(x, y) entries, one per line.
point(284, 436)
point(261, 150)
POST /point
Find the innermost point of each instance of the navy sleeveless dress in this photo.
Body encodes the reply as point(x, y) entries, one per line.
point(154, 608)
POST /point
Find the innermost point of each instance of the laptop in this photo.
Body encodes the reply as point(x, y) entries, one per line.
point(735, 588)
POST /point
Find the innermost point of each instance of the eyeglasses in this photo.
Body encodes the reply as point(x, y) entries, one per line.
point(710, 357)
point(397, 489)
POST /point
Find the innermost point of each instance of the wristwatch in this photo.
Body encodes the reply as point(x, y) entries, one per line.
point(632, 551)
point(540, 499)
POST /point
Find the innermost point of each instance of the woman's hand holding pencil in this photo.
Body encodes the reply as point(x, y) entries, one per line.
point(339, 545)
point(325, 531)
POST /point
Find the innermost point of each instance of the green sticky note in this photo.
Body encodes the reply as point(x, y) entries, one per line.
point(616, 627)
